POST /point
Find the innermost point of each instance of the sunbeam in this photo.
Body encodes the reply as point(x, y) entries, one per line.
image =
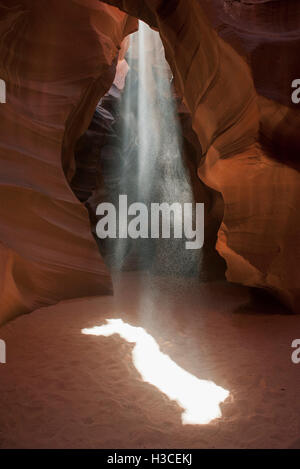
point(199, 399)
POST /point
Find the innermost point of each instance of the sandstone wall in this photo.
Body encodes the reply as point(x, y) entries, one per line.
point(225, 86)
point(57, 59)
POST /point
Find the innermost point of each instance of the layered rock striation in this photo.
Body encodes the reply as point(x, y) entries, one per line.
point(221, 53)
point(57, 59)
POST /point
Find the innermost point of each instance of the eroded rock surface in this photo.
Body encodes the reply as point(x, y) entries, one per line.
point(232, 62)
point(237, 127)
point(57, 59)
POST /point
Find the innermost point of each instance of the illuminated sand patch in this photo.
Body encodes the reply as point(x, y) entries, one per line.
point(200, 399)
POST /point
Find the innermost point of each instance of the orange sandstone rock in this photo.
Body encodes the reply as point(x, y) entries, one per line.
point(259, 236)
point(57, 59)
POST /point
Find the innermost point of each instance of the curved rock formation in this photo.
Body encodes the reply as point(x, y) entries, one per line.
point(260, 231)
point(267, 34)
point(57, 59)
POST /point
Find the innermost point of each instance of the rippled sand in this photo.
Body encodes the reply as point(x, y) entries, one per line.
point(63, 389)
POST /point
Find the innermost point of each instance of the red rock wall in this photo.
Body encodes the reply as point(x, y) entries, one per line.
point(237, 128)
point(267, 34)
point(57, 58)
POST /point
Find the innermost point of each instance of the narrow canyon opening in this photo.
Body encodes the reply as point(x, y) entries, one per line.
point(141, 144)
point(137, 341)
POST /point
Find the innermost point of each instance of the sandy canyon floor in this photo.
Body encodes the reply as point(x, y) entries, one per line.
point(61, 388)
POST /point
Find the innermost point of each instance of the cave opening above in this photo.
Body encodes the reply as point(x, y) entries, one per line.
point(140, 143)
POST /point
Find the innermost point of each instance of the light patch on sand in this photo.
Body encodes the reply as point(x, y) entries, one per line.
point(200, 399)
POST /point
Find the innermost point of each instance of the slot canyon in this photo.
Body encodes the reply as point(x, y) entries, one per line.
point(149, 338)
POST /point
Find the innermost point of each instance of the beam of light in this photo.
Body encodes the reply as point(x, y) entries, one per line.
point(152, 149)
point(159, 135)
point(199, 399)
